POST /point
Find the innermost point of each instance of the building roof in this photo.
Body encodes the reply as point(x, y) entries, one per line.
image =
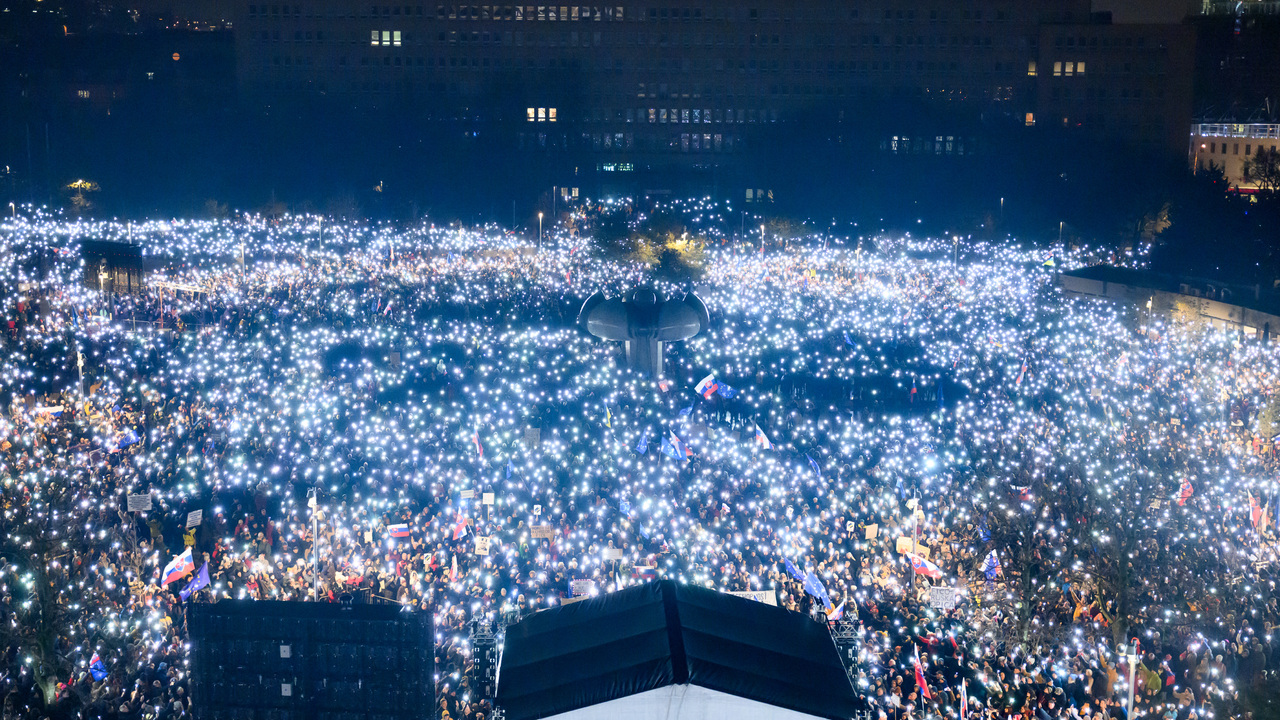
point(661, 634)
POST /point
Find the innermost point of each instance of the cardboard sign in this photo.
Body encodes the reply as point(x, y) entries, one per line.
point(872, 532)
point(581, 586)
point(541, 532)
point(768, 597)
point(467, 494)
point(487, 498)
point(613, 554)
point(904, 545)
point(139, 503)
point(943, 598)
point(194, 518)
point(532, 436)
point(482, 545)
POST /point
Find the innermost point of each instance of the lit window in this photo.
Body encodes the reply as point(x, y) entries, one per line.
point(1031, 68)
point(551, 114)
point(750, 194)
point(1031, 119)
point(386, 37)
point(542, 114)
point(1079, 68)
point(395, 38)
point(84, 94)
point(1057, 69)
point(532, 112)
point(374, 40)
point(1071, 68)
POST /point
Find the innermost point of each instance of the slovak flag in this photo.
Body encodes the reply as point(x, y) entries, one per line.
point(97, 669)
point(1021, 373)
point(400, 530)
point(178, 568)
point(762, 439)
point(1185, 492)
point(460, 529)
point(680, 445)
point(924, 567)
point(920, 681)
point(707, 387)
point(475, 438)
point(836, 613)
point(1255, 511)
point(964, 700)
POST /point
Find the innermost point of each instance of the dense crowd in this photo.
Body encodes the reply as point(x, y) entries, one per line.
point(888, 418)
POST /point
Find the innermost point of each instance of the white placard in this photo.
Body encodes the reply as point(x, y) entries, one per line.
point(581, 586)
point(487, 498)
point(139, 503)
point(541, 532)
point(768, 597)
point(537, 510)
point(194, 518)
point(482, 545)
point(943, 598)
point(468, 494)
point(613, 554)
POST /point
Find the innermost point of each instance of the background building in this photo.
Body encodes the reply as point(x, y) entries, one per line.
point(744, 99)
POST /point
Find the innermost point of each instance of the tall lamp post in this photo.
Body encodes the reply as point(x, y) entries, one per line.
point(539, 231)
point(1130, 656)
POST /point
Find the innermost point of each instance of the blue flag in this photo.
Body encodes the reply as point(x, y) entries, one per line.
point(814, 464)
point(642, 447)
point(510, 467)
point(625, 507)
point(200, 581)
point(791, 569)
point(813, 586)
point(983, 531)
point(644, 532)
point(847, 341)
point(685, 412)
point(97, 669)
point(670, 450)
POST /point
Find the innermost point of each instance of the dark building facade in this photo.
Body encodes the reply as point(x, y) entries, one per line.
point(721, 90)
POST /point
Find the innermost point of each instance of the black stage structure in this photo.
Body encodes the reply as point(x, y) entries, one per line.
point(668, 650)
point(260, 660)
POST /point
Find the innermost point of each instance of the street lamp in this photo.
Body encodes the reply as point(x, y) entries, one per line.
point(539, 230)
point(762, 237)
point(1132, 660)
point(1060, 224)
point(13, 210)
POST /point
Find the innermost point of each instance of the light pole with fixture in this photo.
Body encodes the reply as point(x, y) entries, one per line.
point(539, 231)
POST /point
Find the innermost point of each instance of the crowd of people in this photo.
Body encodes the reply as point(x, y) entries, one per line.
point(992, 488)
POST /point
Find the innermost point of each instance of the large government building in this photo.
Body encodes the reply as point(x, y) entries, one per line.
point(618, 94)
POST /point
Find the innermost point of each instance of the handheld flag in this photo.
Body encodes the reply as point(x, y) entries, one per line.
point(97, 669)
point(687, 411)
point(475, 438)
point(964, 700)
point(608, 418)
point(924, 567)
point(814, 464)
point(920, 681)
point(1185, 492)
point(199, 582)
point(642, 447)
point(836, 613)
point(792, 570)
point(510, 467)
point(400, 530)
point(761, 439)
point(706, 387)
point(178, 568)
point(460, 529)
point(847, 341)
point(814, 587)
point(1255, 511)
point(991, 566)
point(453, 569)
